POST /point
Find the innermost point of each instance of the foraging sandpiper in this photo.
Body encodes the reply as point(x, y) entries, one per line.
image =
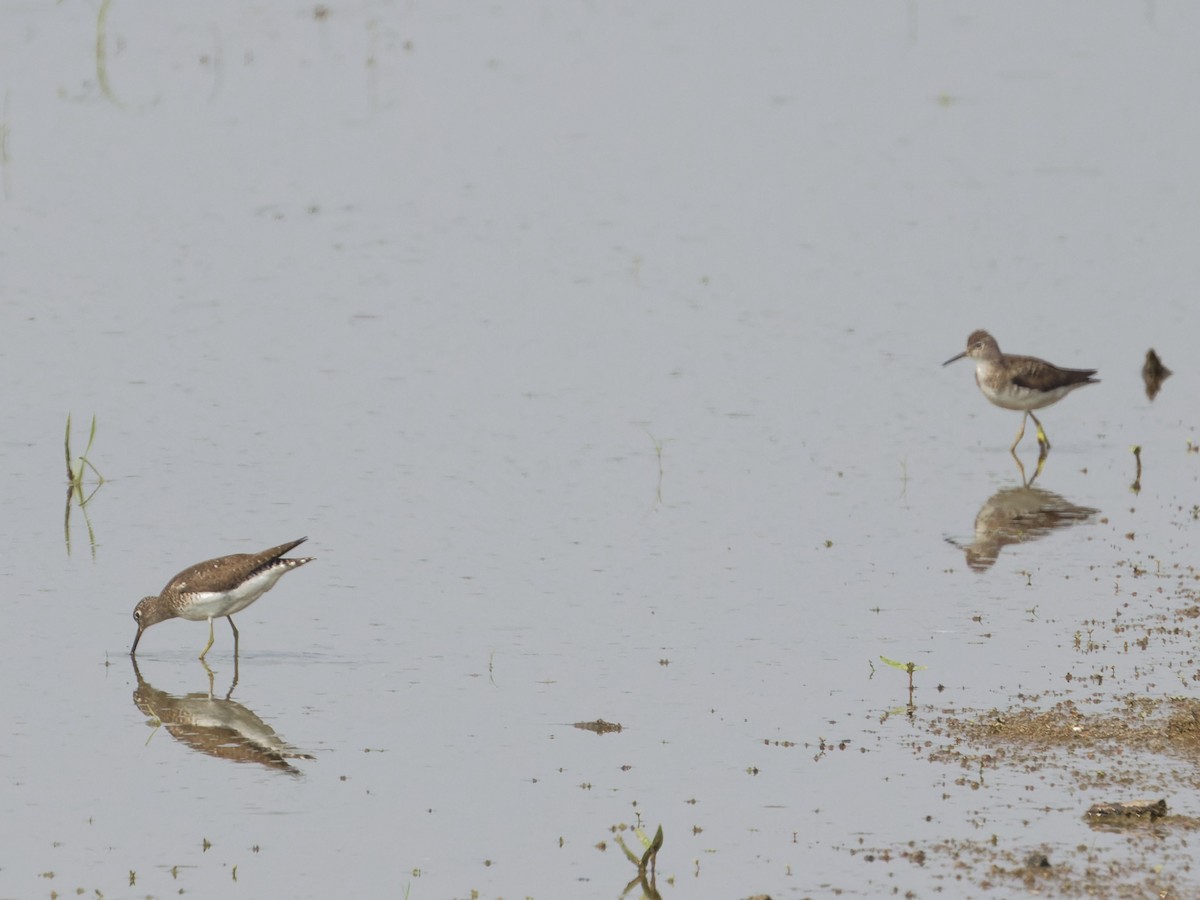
point(1023, 383)
point(215, 588)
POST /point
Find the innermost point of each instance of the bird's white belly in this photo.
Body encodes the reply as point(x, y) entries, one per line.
point(1020, 398)
point(214, 604)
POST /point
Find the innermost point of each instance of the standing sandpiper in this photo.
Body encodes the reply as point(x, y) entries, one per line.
point(1023, 383)
point(218, 587)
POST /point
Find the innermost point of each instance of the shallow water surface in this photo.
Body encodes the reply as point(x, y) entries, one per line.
point(597, 351)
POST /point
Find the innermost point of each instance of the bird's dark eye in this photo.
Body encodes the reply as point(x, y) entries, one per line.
point(137, 615)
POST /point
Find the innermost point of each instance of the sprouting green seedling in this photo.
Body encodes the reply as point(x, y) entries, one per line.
point(76, 466)
point(910, 668)
point(650, 857)
point(647, 863)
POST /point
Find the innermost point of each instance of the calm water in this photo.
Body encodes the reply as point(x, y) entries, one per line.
point(597, 351)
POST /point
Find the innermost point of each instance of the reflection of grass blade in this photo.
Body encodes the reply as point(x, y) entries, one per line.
point(91, 531)
point(67, 518)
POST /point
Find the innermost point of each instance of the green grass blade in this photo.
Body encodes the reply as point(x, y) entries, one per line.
point(91, 437)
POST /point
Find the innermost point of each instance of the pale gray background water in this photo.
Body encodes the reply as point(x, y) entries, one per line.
point(429, 283)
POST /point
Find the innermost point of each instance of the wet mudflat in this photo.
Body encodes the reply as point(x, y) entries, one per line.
point(598, 354)
point(1097, 748)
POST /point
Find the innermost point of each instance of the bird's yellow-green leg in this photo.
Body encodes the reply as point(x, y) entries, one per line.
point(1028, 482)
point(1020, 468)
point(210, 640)
point(1041, 462)
point(235, 637)
point(1020, 434)
point(1041, 435)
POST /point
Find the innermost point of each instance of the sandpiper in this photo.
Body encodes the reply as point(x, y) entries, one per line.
point(1023, 383)
point(215, 588)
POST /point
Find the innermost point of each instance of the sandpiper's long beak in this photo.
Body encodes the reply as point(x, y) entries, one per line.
point(955, 358)
point(133, 650)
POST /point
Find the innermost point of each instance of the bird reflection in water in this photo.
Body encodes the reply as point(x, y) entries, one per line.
point(222, 728)
point(1016, 515)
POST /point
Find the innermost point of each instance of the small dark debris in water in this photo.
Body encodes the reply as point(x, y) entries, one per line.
point(1154, 373)
point(1037, 861)
point(599, 726)
point(1132, 809)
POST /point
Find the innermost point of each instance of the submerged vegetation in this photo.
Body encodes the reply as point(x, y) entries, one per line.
point(910, 668)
